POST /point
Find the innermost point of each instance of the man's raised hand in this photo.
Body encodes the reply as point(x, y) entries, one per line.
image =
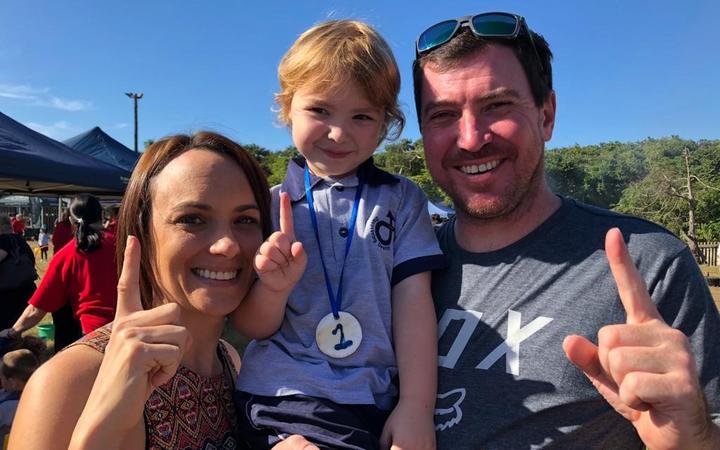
point(644, 368)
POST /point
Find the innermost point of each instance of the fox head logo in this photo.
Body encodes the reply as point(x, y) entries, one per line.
point(447, 409)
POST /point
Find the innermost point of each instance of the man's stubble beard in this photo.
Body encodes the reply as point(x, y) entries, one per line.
point(516, 198)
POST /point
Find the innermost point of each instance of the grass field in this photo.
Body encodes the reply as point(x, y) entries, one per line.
point(713, 271)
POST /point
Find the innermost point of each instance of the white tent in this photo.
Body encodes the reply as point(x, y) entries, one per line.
point(435, 209)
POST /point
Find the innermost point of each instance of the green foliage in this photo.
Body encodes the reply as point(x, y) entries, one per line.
point(273, 163)
point(596, 174)
point(646, 179)
point(407, 158)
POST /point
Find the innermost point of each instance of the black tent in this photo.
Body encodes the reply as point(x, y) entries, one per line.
point(100, 145)
point(35, 164)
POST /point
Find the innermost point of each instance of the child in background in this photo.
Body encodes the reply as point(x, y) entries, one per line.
point(16, 368)
point(43, 243)
point(362, 313)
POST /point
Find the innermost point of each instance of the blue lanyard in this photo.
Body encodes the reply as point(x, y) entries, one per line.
point(335, 298)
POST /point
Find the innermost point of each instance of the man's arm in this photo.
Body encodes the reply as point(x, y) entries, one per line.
point(645, 368)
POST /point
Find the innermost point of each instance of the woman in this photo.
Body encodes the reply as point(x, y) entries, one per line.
point(15, 288)
point(199, 207)
point(83, 275)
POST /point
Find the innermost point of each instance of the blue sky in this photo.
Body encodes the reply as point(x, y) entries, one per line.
point(624, 69)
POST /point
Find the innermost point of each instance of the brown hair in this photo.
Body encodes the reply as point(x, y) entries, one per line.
point(337, 52)
point(19, 364)
point(136, 208)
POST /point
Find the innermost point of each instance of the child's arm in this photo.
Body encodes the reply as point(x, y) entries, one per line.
point(280, 263)
point(410, 426)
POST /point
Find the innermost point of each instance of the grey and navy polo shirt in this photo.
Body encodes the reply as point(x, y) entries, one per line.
point(393, 240)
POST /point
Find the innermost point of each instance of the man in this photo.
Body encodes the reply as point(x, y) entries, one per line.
point(534, 277)
point(18, 224)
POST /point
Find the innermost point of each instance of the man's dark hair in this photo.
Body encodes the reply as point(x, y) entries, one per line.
point(465, 43)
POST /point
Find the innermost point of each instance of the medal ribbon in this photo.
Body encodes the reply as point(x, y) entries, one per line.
point(335, 298)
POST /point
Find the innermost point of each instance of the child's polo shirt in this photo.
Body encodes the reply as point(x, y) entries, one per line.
point(393, 240)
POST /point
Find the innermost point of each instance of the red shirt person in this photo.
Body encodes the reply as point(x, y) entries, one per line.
point(82, 274)
point(18, 224)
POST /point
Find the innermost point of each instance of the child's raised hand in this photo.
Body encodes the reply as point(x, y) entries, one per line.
point(280, 261)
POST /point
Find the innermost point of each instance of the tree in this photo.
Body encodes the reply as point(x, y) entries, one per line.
point(681, 190)
point(277, 163)
point(596, 174)
point(407, 158)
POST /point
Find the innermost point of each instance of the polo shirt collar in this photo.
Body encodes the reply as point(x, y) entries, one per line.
point(294, 183)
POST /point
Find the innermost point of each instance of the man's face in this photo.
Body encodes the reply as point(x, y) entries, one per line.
point(483, 135)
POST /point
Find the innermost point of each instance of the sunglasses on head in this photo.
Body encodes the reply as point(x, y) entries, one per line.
point(493, 25)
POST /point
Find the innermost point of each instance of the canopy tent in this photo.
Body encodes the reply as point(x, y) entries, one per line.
point(435, 209)
point(100, 145)
point(32, 163)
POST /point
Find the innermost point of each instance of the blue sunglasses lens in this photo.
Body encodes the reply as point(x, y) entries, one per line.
point(436, 35)
point(501, 25)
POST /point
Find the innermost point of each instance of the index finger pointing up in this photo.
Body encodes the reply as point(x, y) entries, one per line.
point(286, 217)
point(129, 284)
point(631, 287)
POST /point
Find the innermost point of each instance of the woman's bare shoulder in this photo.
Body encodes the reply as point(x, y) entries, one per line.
point(233, 353)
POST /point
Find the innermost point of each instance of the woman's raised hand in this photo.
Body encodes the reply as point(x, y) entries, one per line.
point(144, 351)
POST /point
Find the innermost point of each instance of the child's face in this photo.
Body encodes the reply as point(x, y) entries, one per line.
point(335, 131)
point(10, 384)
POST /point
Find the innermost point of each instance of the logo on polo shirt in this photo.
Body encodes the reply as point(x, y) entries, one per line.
point(383, 231)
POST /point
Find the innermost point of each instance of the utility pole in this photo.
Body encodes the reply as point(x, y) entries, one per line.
point(135, 97)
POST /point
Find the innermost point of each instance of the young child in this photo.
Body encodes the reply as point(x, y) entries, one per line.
point(16, 368)
point(43, 243)
point(362, 313)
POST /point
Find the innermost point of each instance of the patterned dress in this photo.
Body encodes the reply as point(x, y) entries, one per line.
point(189, 411)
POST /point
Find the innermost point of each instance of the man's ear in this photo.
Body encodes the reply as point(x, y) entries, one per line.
point(548, 120)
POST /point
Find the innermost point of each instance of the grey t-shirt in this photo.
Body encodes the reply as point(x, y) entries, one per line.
point(504, 381)
point(393, 240)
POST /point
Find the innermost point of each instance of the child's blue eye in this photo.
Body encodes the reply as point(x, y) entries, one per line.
point(318, 110)
point(363, 117)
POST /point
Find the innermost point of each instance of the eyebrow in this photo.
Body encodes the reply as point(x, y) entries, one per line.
point(206, 207)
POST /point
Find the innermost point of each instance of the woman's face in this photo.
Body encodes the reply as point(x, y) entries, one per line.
point(206, 229)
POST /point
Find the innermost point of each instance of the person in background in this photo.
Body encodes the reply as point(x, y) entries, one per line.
point(15, 295)
point(43, 243)
point(63, 232)
point(16, 368)
point(110, 225)
point(561, 325)
point(18, 225)
point(83, 275)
